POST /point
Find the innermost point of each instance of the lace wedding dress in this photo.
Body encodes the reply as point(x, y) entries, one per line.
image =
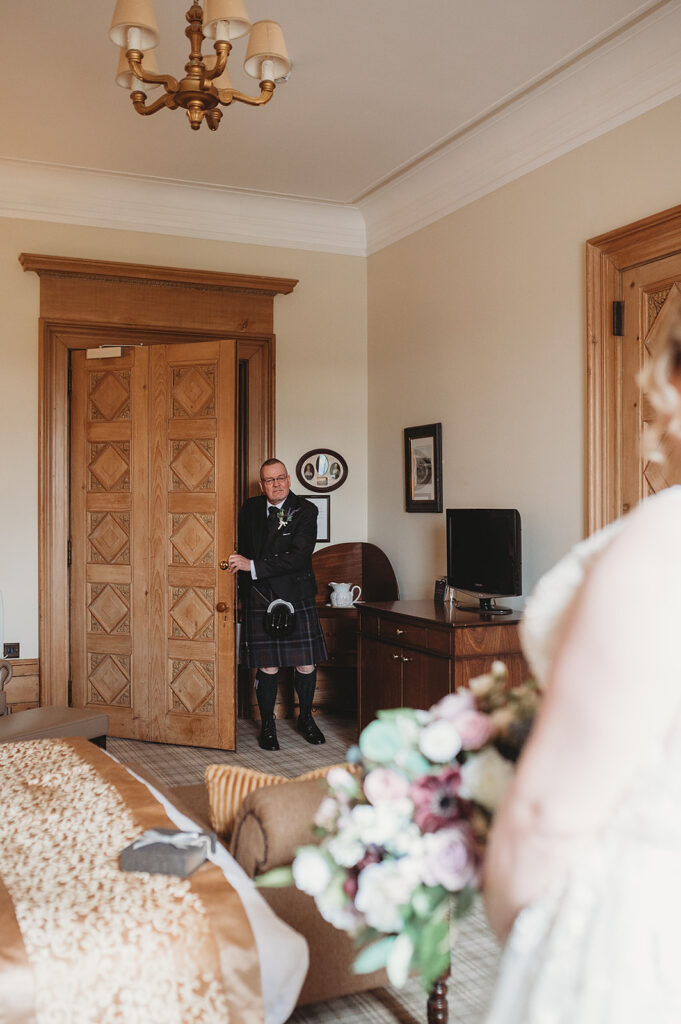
point(602, 945)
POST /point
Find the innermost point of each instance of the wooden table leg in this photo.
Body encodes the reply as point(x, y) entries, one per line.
point(438, 1009)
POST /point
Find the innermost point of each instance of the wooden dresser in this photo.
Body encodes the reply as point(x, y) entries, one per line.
point(412, 653)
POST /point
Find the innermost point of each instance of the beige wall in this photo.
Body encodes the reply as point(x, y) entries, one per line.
point(321, 375)
point(478, 322)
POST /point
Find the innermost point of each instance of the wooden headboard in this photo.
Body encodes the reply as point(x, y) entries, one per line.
point(355, 563)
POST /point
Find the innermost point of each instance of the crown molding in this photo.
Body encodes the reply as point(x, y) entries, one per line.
point(614, 83)
point(68, 195)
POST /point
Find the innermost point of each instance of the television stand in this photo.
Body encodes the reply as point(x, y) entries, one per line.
point(412, 653)
point(487, 606)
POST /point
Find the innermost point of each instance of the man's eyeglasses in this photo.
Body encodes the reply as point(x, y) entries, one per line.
point(273, 480)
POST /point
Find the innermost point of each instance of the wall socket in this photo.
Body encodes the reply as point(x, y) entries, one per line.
point(10, 650)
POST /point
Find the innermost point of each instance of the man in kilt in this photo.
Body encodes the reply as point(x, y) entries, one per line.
point(277, 535)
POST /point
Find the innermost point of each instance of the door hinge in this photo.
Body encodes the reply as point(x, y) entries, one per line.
point(69, 552)
point(618, 318)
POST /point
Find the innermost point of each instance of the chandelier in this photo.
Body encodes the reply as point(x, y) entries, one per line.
point(206, 86)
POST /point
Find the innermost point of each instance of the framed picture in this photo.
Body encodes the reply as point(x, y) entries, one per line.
point(322, 470)
point(423, 468)
point(323, 503)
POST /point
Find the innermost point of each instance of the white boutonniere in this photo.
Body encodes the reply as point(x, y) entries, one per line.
point(285, 516)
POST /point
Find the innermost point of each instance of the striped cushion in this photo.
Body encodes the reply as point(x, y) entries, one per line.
point(228, 786)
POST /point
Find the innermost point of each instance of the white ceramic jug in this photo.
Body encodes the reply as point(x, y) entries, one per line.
point(343, 594)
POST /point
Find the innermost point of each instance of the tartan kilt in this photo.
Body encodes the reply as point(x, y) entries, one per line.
point(304, 646)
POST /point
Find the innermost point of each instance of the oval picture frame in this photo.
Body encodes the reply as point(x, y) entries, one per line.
point(321, 470)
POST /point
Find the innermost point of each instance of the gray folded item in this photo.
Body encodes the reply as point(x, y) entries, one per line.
point(167, 851)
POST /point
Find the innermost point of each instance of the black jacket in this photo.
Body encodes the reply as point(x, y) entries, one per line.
point(282, 553)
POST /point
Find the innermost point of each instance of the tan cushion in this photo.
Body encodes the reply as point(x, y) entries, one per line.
point(273, 822)
point(228, 786)
point(51, 723)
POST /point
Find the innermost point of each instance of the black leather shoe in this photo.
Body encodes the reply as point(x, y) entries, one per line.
point(309, 729)
point(268, 735)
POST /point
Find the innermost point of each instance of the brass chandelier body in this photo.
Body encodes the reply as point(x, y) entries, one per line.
point(205, 87)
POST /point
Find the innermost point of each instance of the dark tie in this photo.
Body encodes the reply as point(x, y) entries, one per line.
point(272, 514)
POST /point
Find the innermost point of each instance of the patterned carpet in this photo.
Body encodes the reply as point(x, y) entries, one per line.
point(475, 952)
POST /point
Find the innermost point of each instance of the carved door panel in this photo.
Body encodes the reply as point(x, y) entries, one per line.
point(652, 304)
point(152, 514)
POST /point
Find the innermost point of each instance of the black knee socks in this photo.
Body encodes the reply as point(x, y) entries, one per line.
point(266, 692)
point(305, 683)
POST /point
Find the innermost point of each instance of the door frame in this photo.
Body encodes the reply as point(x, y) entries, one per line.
point(83, 304)
point(607, 257)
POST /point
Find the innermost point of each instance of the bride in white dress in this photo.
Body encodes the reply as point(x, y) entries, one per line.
point(583, 871)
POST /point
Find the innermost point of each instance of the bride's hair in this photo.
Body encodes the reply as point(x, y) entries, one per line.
point(655, 381)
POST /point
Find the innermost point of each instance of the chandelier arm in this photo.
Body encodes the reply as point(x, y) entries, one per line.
point(135, 64)
point(139, 103)
point(222, 48)
point(227, 96)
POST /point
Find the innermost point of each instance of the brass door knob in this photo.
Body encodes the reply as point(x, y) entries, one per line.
point(224, 565)
point(221, 607)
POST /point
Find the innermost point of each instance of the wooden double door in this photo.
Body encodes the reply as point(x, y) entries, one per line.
point(152, 485)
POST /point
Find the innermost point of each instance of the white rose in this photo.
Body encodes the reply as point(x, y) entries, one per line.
point(480, 686)
point(311, 870)
point(440, 742)
point(342, 781)
point(326, 814)
point(485, 777)
point(376, 826)
point(345, 917)
point(346, 848)
point(382, 889)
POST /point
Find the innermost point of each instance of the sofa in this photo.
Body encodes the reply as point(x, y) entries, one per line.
point(270, 824)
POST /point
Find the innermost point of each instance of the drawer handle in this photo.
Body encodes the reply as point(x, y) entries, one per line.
point(399, 632)
point(407, 659)
point(397, 657)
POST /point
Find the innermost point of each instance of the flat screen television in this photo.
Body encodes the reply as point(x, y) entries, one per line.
point(484, 556)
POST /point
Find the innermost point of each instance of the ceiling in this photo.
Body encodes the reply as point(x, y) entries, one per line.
point(377, 85)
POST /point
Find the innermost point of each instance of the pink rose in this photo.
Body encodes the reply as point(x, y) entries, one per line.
point(450, 859)
point(435, 799)
point(383, 785)
point(474, 728)
point(453, 705)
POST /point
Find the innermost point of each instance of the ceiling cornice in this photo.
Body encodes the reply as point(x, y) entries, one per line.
point(626, 76)
point(70, 195)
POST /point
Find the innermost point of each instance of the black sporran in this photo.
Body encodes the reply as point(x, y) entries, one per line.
point(280, 619)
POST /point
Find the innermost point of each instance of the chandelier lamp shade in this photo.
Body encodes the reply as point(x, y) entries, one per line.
point(207, 85)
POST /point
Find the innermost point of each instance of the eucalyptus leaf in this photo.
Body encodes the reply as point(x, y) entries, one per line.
point(399, 960)
point(387, 713)
point(373, 957)
point(380, 741)
point(464, 902)
point(277, 878)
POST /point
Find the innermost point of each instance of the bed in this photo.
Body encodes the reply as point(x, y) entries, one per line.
point(82, 942)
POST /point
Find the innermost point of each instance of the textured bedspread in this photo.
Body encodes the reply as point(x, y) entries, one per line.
point(82, 942)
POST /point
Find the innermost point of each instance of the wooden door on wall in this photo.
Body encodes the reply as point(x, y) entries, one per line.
point(635, 269)
point(152, 516)
point(652, 306)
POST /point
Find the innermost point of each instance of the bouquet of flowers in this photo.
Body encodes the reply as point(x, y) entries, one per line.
point(404, 826)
